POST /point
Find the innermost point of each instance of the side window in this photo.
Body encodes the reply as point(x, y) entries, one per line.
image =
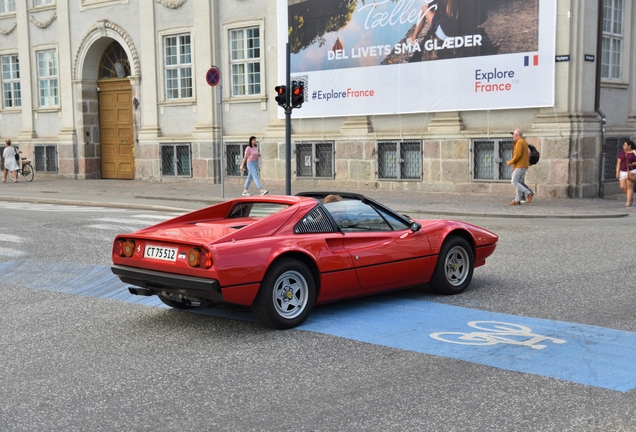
point(11, 94)
point(356, 216)
point(245, 61)
point(178, 66)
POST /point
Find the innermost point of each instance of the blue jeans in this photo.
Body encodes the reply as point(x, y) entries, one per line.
point(252, 170)
point(518, 177)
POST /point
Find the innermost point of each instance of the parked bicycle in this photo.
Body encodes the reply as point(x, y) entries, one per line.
point(26, 170)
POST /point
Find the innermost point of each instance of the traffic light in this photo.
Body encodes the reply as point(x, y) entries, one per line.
point(298, 94)
point(281, 95)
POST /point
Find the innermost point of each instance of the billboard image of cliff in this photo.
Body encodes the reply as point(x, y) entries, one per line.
point(337, 34)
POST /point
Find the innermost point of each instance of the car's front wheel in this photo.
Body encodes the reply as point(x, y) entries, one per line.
point(454, 268)
point(287, 295)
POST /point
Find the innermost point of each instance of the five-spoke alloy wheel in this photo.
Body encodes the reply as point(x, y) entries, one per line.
point(455, 265)
point(286, 296)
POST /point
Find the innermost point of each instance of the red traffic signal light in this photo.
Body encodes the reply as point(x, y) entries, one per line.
point(281, 95)
point(298, 94)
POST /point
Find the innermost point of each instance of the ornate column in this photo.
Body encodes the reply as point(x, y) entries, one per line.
point(148, 64)
point(26, 79)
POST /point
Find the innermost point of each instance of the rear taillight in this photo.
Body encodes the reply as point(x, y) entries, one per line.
point(200, 258)
point(124, 248)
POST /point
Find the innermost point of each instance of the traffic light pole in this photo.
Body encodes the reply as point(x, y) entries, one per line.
point(288, 111)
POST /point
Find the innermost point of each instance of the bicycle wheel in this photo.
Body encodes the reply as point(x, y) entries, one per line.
point(28, 172)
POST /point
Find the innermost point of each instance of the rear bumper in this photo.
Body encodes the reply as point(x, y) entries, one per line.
point(157, 282)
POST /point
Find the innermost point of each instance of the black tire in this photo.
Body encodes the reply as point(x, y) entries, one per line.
point(174, 302)
point(454, 268)
point(286, 296)
point(27, 171)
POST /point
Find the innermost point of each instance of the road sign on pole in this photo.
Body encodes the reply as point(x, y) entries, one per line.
point(213, 78)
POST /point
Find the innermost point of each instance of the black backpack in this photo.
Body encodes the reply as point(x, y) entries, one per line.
point(534, 154)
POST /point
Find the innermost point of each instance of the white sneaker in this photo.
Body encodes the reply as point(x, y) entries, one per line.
point(246, 194)
point(264, 192)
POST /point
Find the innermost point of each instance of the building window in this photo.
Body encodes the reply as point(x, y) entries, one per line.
point(176, 160)
point(11, 94)
point(45, 158)
point(7, 6)
point(233, 157)
point(611, 149)
point(315, 160)
point(42, 2)
point(47, 78)
point(489, 159)
point(245, 61)
point(612, 39)
point(178, 66)
point(400, 160)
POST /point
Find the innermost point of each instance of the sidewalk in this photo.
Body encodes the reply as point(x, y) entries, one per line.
point(187, 194)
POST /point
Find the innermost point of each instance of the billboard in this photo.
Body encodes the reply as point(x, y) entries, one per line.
point(364, 57)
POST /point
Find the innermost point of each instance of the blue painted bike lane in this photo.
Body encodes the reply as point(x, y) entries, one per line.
point(583, 354)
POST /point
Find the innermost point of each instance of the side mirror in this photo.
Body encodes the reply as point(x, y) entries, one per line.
point(415, 226)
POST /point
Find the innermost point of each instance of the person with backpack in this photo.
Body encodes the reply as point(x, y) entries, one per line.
point(520, 162)
point(11, 157)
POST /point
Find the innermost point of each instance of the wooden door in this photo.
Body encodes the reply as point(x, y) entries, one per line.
point(116, 129)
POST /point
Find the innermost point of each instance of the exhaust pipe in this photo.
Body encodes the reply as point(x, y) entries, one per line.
point(140, 291)
point(191, 302)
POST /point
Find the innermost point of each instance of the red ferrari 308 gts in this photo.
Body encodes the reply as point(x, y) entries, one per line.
point(282, 255)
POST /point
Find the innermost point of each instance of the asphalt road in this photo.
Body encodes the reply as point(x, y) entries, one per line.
point(75, 358)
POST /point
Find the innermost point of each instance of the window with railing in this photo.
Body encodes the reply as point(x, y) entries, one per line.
point(45, 158)
point(612, 44)
point(400, 160)
point(315, 160)
point(176, 160)
point(490, 157)
point(612, 146)
point(234, 153)
point(11, 94)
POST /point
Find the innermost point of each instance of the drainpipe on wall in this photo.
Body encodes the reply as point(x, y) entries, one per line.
point(597, 97)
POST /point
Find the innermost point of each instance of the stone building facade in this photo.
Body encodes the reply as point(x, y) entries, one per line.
point(117, 89)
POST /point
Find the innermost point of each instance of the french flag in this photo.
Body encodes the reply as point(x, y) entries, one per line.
point(535, 60)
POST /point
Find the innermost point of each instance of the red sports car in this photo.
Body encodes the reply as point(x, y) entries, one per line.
point(282, 255)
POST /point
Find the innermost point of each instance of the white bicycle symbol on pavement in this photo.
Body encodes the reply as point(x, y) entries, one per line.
point(496, 332)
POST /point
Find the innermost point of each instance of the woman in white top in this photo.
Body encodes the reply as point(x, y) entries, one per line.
point(10, 163)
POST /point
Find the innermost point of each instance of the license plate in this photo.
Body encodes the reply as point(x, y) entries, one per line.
point(161, 253)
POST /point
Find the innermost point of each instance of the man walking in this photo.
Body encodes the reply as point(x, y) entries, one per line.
point(520, 162)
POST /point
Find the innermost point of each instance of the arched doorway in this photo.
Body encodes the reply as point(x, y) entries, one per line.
point(116, 114)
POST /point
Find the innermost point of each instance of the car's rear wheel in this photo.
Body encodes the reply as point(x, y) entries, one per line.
point(173, 300)
point(454, 268)
point(286, 296)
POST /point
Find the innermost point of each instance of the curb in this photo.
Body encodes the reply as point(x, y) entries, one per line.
point(212, 202)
